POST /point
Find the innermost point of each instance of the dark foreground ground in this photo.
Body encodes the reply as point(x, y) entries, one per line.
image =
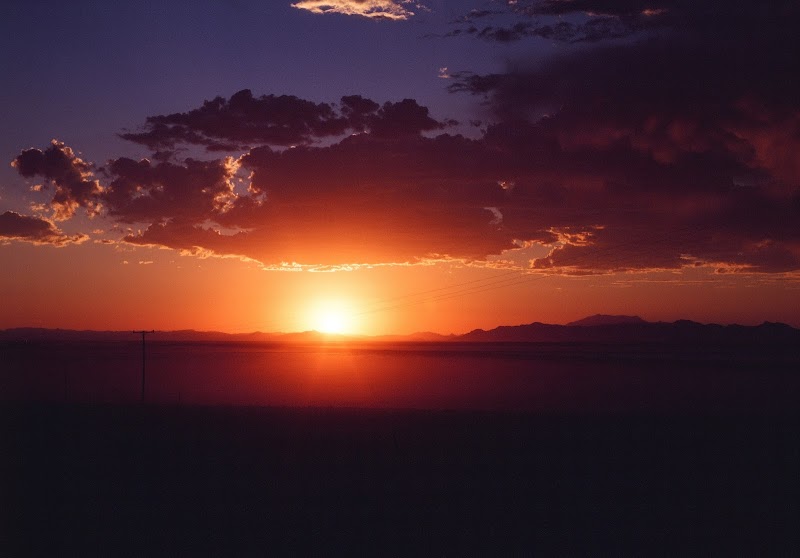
point(128, 480)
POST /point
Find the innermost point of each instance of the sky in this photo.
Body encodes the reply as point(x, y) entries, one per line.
point(389, 166)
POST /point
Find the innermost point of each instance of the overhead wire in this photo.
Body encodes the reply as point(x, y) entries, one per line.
point(524, 276)
point(509, 278)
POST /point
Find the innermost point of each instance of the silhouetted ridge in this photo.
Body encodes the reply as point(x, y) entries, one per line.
point(594, 329)
point(605, 319)
point(632, 329)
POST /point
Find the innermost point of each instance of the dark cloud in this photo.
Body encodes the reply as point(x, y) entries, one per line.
point(191, 191)
point(14, 226)
point(366, 199)
point(244, 120)
point(619, 8)
point(594, 30)
point(674, 147)
point(406, 118)
point(725, 99)
point(591, 21)
point(359, 111)
point(70, 176)
point(690, 124)
point(476, 14)
point(601, 204)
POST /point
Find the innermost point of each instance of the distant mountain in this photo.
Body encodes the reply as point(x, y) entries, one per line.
point(192, 336)
point(631, 329)
point(605, 319)
point(43, 334)
point(593, 329)
point(420, 337)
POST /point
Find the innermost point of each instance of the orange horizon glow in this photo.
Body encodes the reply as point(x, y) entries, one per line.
point(88, 287)
point(369, 190)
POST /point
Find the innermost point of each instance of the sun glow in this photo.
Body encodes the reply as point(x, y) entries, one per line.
point(332, 317)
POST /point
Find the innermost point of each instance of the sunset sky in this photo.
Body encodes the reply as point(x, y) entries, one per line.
point(390, 166)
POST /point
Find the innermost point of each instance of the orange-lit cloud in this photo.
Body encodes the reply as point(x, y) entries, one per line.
point(378, 9)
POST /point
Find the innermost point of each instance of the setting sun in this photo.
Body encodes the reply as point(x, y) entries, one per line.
point(330, 323)
point(332, 317)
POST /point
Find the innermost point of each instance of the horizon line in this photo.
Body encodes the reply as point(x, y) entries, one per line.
point(629, 320)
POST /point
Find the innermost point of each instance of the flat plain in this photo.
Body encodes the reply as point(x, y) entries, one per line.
point(399, 450)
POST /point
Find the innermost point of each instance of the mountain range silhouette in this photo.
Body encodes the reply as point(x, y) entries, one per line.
point(599, 328)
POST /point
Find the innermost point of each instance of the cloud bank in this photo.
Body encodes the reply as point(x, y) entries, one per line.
point(668, 140)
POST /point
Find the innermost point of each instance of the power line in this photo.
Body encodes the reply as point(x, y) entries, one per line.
point(143, 333)
point(501, 281)
point(522, 276)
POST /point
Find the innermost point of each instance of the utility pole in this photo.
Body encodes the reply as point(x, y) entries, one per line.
point(143, 332)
